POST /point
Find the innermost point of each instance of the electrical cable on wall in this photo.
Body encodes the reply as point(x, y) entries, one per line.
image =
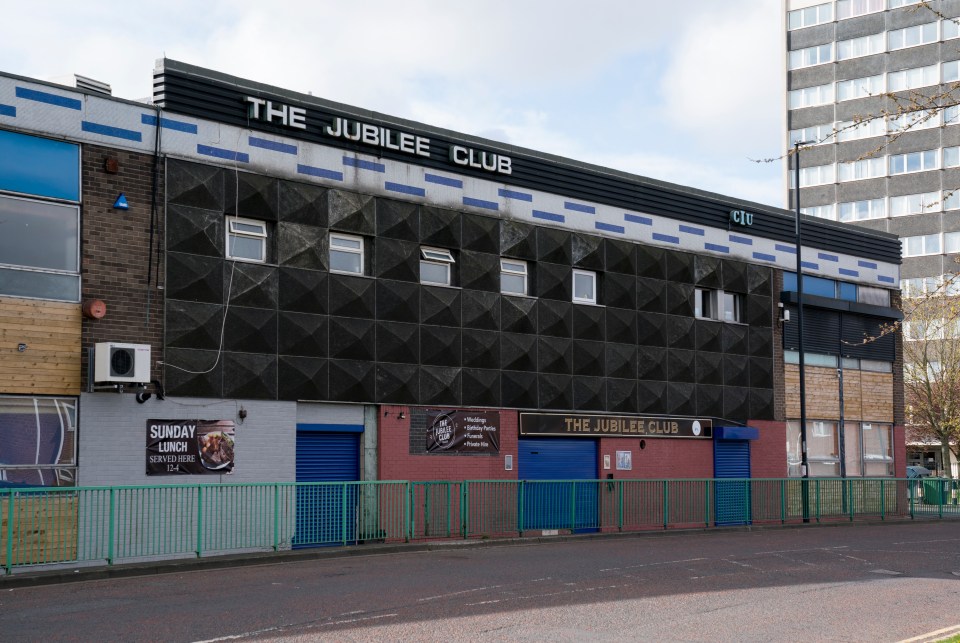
point(154, 216)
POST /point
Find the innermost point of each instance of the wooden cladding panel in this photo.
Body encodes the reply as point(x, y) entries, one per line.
point(51, 331)
point(44, 529)
point(867, 396)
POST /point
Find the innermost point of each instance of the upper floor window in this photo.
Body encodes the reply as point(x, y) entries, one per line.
point(951, 156)
point(951, 29)
point(951, 115)
point(927, 244)
point(436, 266)
point(914, 162)
point(862, 169)
point(513, 277)
point(912, 36)
point(951, 242)
point(246, 240)
point(862, 210)
point(584, 287)
point(853, 130)
point(853, 8)
point(914, 203)
point(811, 96)
point(816, 175)
point(816, 133)
point(39, 249)
point(920, 286)
point(950, 71)
point(821, 211)
point(913, 78)
point(718, 305)
point(860, 87)
point(811, 56)
point(863, 46)
point(914, 121)
point(346, 254)
point(800, 18)
point(894, 4)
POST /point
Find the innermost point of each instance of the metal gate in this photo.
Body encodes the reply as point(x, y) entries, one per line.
point(551, 498)
point(731, 459)
point(326, 513)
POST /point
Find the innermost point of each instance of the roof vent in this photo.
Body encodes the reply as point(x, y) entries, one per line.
point(84, 83)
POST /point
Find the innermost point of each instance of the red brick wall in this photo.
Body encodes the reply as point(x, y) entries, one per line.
point(396, 463)
point(899, 451)
point(768, 454)
point(661, 458)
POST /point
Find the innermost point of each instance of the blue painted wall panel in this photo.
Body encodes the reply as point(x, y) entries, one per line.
point(39, 166)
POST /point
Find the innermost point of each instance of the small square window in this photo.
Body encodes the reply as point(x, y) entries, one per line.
point(246, 240)
point(346, 254)
point(584, 287)
point(718, 305)
point(513, 277)
point(436, 266)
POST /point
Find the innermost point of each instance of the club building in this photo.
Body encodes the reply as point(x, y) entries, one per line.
point(239, 283)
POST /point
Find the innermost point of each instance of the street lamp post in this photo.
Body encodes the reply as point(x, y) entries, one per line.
point(804, 468)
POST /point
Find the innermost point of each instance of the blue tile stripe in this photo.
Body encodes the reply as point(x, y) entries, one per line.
point(50, 99)
point(636, 218)
point(169, 123)
point(609, 227)
point(886, 280)
point(220, 153)
point(319, 172)
point(691, 230)
point(442, 180)
point(579, 207)
point(762, 256)
point(866, 264)
point(810, 265)
point(549, 216)
point(826, 257)
point(109, 130)
point(513, 194)
point(480, 203)
point(364, 165)
point(715, 247)
point(272, 145)
point(404, 189)
point(747, 241)
point(849, 273)
point(666, 237)
point(782, 248)
point(8, 110)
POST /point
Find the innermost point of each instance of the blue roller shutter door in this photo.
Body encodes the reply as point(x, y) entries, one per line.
point(551, 505)
point(731, 459)
point(326, 514)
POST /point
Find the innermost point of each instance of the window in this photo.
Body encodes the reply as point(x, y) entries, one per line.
point(810, 16)
point(513, 277)
point(816, 175)
point(823, 449)
point(914, 121)
point(811, 96)
point(920, 286)
point(951, 115)
point(912, 78)
point(894, 4)
point(877, 449)
point(346, 254)
point(584, 287)
point(951, 156)
point(951, 29)
point(862, 169)
point(951, 242)
point(810, 359)
point(38, 439)
point(921, 245)
point(718, 305)
point(246, 240)
point(853, 8)
point(816, 133)
point(873, 296)
point(912, 36)
point(852, 130)
point(821, 211)
point(436, 266)
point(862, 210)
point(875, 366)
point(863, 46)
point(951, 201)
point(914, 162)
point(811, 56)
point(950, 71)
point(860, 87)
point(914, 204)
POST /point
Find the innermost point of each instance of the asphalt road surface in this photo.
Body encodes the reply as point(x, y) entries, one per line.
point(851, 583)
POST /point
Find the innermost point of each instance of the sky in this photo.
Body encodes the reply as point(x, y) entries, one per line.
point(689, 95)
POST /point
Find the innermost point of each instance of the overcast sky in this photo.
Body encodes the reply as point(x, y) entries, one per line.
point(687, 92)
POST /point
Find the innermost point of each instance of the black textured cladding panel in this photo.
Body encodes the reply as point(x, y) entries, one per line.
point(759, 280)
point(588, 358)
point(249, 284)
point(480, 234)
point(303, 203)
point(621, 361)
point(303, 334)
point(398, 383)
point(589, 322)
point(680, 299)
point(195, 185)
point(397, 260)
point(553, 281)
point(481, 310)
point(761, 342)
point(736, 370)
point(679, 267)
point(440, 385)
point(681, 398)
point(480, 271)
point(518, 314)
point(759, 311)
point(193, 325)
point(651, 262)
point(651, 295)
point(619, 291)
point(762, 404)
point(440, 306)
point(302, 246)
point(589, 393)
point(352, 339)
point(708, 335)
point(735, 277)
point(651, 396)
point(518, 389)
point(250, 330)
point(481, 349)
point(553, 246)
point(621, 326)
point(195, 231)
point(518, 352)
point(194, 278)
point(586, 251)
point(734, 339)
point(518, 240)
point(761, 372)
point(555, 355)
point(480, 387)
point(555, 318)
point(710, 368)
point(440, 345)
point(352, 296)
point(250, 195)
point(821, 331)
point(681, 332)
point(397, 342)
point(620, 257)
point(351, 212)
point(651, 363)
point(710, 401)
point(866, 338)
point(651, 329)
point(302, 378)
point(681, 366)
point(706, 271)
point(736, 403)
point(302, 291)
point(621, 396)
point(398, 301)
point(250, 376)
point(398, 220)
point(352, 381)
point(440, 227)
point(556, 391)
point(193, 373)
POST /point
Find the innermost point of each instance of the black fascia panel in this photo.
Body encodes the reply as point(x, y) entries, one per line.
point(789, 297)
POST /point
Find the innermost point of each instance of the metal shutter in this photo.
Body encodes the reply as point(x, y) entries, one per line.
point(550, 505)
point(326, 514)
point(731, 459)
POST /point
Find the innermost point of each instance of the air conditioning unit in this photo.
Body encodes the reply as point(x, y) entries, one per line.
point(115, 363)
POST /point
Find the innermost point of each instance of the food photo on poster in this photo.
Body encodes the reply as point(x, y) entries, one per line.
point(190, 447)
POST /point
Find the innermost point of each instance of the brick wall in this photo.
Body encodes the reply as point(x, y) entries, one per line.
point(899, 450)
point(115, 251)
point(899, 407)
point(768, 454)
point(660, 458)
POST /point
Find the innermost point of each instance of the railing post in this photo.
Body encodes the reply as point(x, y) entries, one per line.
point(850, 498)
point(910, 489)
point(940, 497)
point(411, 518)
point(521, 486)
point(706, 504)
point(783, 501)
point(573, 506)
point(449, 507)
point(816, 488)
point(199, 521)
point(9, 531)
point(276, 517)
point(465, 507)
point(883, 500)
point(110, 526)
point(619, 505)
point(343, 513)
point(666, 504)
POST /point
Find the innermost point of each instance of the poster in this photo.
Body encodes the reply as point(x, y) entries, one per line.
point(189, 447)
point(463, 432)
point(624, 461)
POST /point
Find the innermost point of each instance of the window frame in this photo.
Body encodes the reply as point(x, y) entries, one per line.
point(573, 286)
point(919, 29)
point(864, 12)
point(711, 304)
point(524, 274)
point(433, 256)
point(869, 51)
point(862, 169)
point(921, 154)
point(800, 55)
point(858, 84)
point(354, 251)
point(245, 234)
point(820, 10)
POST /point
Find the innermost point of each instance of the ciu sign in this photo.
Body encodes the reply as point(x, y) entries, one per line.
point(741, 217)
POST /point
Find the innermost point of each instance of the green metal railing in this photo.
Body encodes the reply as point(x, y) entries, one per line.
point(57, 525)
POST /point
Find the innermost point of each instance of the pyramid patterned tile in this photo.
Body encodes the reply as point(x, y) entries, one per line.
point(440, 227)
point(194, 278)
point(651, 295)
point(302, 291)
point(680, 299)
point(710, 368)
point(735, 276)
point(399, 260)
point(440, 306)
point(651, 363)
point(480, 271)
point(195, 231)
point(681, 366)
point(518, 352)
point(302, 246)
point(352, 338)
point(706, 271)
point(586, 251)
point(193, 325)
point(589, 322)
point(589, 393)
point(681, 398)
point(351, 212)
point(439, 385)
point(480, 387)
point(736, 370)
point(761, 342)
point(398, 301)
point(621, 325)
point(651, 329)
point(734, 338)
point(193, 373)
point(554, 246)
point(620, 256)
point(518, 240)
point(398, 220)
point(398, 342)
point(762, 404)
point(761, 372)
point(251, 285)
point(398, 384)
point(759, 280)
point(736, 403)
point(250, 376)
point(251, 195)
point(518, 389)
point(481, 349)
point(481, 234)
point(302, 334)
point(621, 361)
point(555, 355)
point(302, 378)
point(518, 314)
point(555, 318)
point(352, 296)
point(195, 185)
point(621, 396)
point(708, 335)
point(651, 262)
point(303, 203)
point(588, 358)
point(440, 345)
point(250, 330)
point(679, 267)
point(480, 309)
point(555, 391)
point(553, 281)
point(352, 381)
point(759, 311)
point(619, 291)
point(710, 401)
point(651, 396)
point(680, 332)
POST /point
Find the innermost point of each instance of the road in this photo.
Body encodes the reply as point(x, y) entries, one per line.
point(850, 583)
